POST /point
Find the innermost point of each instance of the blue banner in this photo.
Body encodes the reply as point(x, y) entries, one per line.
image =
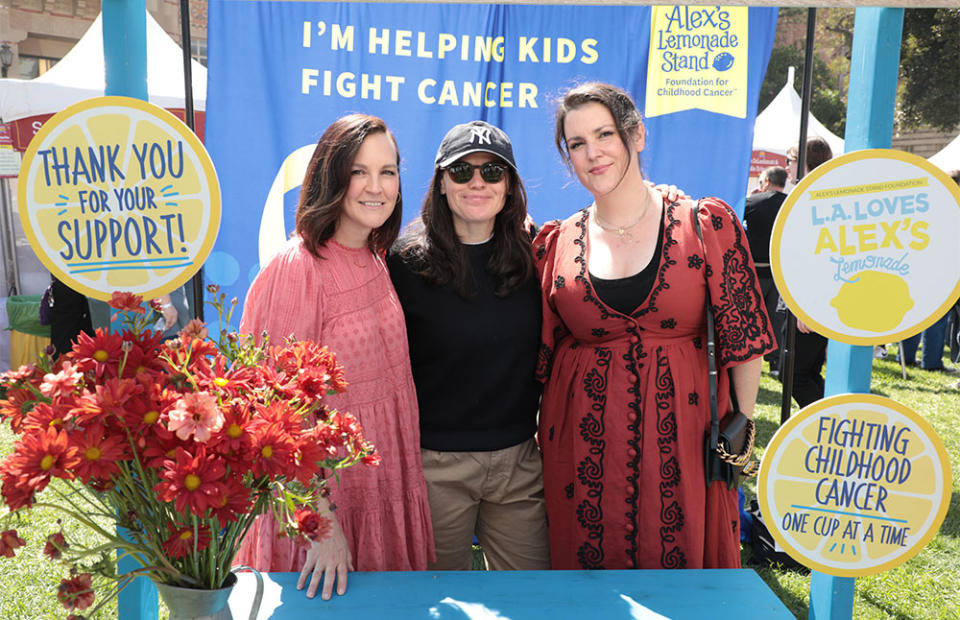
point(281, 71)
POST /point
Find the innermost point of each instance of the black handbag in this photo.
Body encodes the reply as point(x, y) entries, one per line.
point(727, 447)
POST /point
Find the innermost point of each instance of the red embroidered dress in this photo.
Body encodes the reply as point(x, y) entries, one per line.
point(626, 401)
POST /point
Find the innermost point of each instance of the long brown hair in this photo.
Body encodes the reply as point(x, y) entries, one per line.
point(435, 252)
point(328, 177)
point(626, 116)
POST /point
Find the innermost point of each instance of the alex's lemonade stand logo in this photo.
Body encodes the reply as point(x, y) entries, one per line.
point(118, 194)
point(698, 60)
point(864, 249)
point(854, 485)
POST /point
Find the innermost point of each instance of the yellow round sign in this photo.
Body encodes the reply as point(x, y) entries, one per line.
point(864, 248)
point(116, 194)
point(854, 485)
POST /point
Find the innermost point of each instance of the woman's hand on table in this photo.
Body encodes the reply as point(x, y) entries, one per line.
point(328, 560)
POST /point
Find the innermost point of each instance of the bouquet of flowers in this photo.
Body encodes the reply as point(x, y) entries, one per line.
point(168, 451)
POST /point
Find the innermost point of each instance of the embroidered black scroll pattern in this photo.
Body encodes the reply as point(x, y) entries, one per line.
point(591, 554)
point(634, 362)
point(743, 330)
point(671, 513)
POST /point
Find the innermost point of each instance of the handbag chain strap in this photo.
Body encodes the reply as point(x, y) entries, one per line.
point(743, 458)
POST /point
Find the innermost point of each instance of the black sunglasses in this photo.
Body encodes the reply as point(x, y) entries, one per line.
point(461, 172)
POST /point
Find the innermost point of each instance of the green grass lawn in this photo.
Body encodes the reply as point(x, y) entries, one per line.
point(927, 586)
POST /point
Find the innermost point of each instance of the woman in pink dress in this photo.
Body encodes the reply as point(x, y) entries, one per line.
point(626, 401)
point(330, 285)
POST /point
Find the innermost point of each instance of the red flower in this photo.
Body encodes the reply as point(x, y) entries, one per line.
point(126, 302)
point(372, 457)
point(76, 592)
point(100, 354)
point(56, 545)
point(312, 525)
point(274, 449)
point(234, 442)
point(192, 481)
point(181, 541)
point(41, 455)
point(9, 540)
point(15, 405)
point(234, 499)
point(99, 452)
point(16, 494)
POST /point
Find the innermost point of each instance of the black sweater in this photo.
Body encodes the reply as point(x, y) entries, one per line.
point(473, 359)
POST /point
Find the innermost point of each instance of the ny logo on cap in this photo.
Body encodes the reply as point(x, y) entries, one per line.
point(481, 135)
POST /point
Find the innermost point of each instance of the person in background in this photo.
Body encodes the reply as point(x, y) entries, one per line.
point(329, 284)
point(934, 337)
point(810, 348)
point(69, 316)
point(626, 401)
point(759, 213)
point(464, 275)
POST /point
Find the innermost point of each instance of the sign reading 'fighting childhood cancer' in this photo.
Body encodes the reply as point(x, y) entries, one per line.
point(854, 485)
point(117, 194)
point(698, 60)
point(864, 248)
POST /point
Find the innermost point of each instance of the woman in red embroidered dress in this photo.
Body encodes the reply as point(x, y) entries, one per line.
point(626, 401)
point(330, 284)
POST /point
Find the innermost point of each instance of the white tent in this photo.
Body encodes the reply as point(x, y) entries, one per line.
point(949, 156)
point(777, 128)
point(80, 75)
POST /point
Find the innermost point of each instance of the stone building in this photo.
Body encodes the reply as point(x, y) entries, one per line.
point(40, 32)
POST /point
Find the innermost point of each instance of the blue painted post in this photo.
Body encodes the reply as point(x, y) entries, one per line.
point(125, 69)
point(870, 105)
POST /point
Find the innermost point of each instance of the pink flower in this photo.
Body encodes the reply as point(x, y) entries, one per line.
point(62, 383)
point(197, 414)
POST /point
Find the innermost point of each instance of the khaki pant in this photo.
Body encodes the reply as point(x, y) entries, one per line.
point(497, 496)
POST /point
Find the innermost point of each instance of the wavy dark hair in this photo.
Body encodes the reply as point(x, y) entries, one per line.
point(328, 177)
point(626, 116)
point(432, 248)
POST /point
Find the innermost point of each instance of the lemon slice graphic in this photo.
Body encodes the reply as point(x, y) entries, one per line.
point(117, 194)
point(873, 301)
point(854, 485)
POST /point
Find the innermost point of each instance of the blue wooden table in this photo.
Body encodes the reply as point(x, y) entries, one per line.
point(521, 595)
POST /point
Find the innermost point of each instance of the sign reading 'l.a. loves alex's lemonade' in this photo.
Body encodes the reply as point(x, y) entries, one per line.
point(854, 485)
point(117, 194)
point(864, 249)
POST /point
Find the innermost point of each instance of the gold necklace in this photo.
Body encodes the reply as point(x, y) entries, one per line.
point(620, 230)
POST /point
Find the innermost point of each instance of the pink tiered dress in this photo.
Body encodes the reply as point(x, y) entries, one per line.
point(346, 301)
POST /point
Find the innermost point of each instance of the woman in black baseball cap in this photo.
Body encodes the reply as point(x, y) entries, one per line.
point(465, 279)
